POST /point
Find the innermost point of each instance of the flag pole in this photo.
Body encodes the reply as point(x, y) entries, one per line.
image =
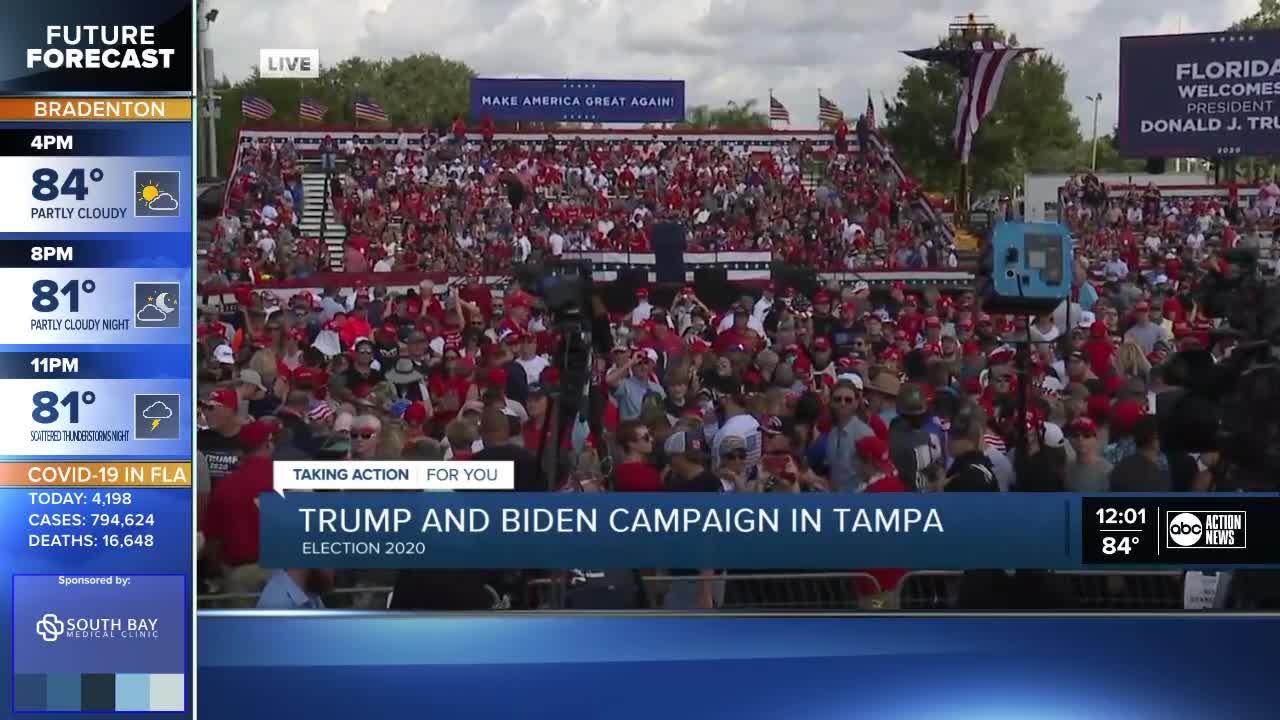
point(770, 116)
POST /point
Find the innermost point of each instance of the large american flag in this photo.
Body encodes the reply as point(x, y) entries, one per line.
point(871, 112)
point(309, 109)
point(778, 111)
point(253, 107)
point(367, 109)
point(828, 112)
point(981, 71)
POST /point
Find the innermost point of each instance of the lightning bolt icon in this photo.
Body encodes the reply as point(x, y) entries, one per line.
point(154, 424)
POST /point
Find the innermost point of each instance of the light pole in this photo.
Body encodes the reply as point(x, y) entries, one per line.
point(1096, 100)
point(204, 84)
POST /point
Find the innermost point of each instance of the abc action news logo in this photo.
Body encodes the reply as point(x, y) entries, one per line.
point(1197, 529)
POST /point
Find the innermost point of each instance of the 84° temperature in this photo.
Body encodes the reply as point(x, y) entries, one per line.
point(1123, 544)
point(46, 188)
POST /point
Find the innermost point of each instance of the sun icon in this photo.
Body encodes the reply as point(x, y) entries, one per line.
point(149, 192)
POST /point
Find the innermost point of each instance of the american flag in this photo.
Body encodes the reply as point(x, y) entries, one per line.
point(778, 111)
point(254, 107)
point(871, 112)
point(309, 109)
point(367, 109)
point(982, 70)
point(828, 112)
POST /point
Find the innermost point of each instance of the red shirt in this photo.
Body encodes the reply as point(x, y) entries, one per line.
point(232, 515)
point(636, 477)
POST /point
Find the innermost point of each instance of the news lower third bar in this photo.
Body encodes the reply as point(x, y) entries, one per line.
point(958, 531)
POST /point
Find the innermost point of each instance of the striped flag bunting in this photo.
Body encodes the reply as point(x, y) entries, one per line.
point(253, 107)
point(367, 109)
point(309, 109)
point(778, 111)
point(828, 112)
point(981, 69)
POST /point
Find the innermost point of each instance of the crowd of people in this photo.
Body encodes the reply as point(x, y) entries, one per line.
point(450, 205)
point(851, 389)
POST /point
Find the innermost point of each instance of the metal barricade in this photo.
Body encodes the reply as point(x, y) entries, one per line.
point(357, 598)
point(929, 590)
point(823, 591)
point(1102, 590)
point(1086, 590)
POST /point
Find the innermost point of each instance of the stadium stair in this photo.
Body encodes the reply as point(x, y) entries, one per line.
point(313, 202)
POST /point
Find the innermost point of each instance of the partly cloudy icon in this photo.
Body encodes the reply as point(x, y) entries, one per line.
point(151, 313)
point(163, 201)
point(157, 411)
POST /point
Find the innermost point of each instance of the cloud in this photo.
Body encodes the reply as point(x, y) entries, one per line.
point(723, 49)
point(151, 313)
point(157, 411)
point(163, 201)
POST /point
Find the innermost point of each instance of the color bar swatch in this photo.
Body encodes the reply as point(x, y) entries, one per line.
point(99, 692)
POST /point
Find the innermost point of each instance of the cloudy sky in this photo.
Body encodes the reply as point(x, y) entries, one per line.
point(723, 49)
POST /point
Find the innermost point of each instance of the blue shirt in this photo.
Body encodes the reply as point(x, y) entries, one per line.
point(282, 593)
point(630, 396)
point(842, 459)
point(1088, 297)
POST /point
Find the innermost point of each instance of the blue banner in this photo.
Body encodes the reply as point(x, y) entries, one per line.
point(1202, 95)
point(578, 100)
point(504, 530)
point(317, 664)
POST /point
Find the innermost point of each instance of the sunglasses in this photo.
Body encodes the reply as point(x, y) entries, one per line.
point(844, 399)
point(365, 434)
point(735, 455)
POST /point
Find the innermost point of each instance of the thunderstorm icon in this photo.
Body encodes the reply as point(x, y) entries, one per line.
point(155, 412)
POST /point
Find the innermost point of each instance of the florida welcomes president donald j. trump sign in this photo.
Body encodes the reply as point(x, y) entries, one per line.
point(1202, 95)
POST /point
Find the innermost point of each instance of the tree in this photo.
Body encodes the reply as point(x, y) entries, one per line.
point(1030, 129)
point(733, 116)
point(1266, 18)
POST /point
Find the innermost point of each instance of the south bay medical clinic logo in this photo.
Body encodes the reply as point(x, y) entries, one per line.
point(1200, 529)
point(50, 628)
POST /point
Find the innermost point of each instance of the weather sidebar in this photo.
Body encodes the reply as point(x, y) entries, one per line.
point(96, 332)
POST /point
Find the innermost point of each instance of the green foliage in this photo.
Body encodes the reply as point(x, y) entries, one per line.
point(418, 90)
point(733, 116)
point(1031, 128)
point(1266, 18)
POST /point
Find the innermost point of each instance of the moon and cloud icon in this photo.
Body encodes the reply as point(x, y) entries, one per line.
point(156, 304)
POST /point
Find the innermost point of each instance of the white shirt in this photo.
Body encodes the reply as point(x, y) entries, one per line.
point(642, 312)
point(556, 242)
point(533, 367)
point(523, 248)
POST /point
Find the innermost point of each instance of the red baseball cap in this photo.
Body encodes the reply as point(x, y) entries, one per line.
point(1082, 426)
point(224, 397)
point(256, 434)
point(1142, 306)
point(642, 292)
point(821, 343)
point(933, 321)
point(416, 413)
point(496, 377)
point(1125, 414)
